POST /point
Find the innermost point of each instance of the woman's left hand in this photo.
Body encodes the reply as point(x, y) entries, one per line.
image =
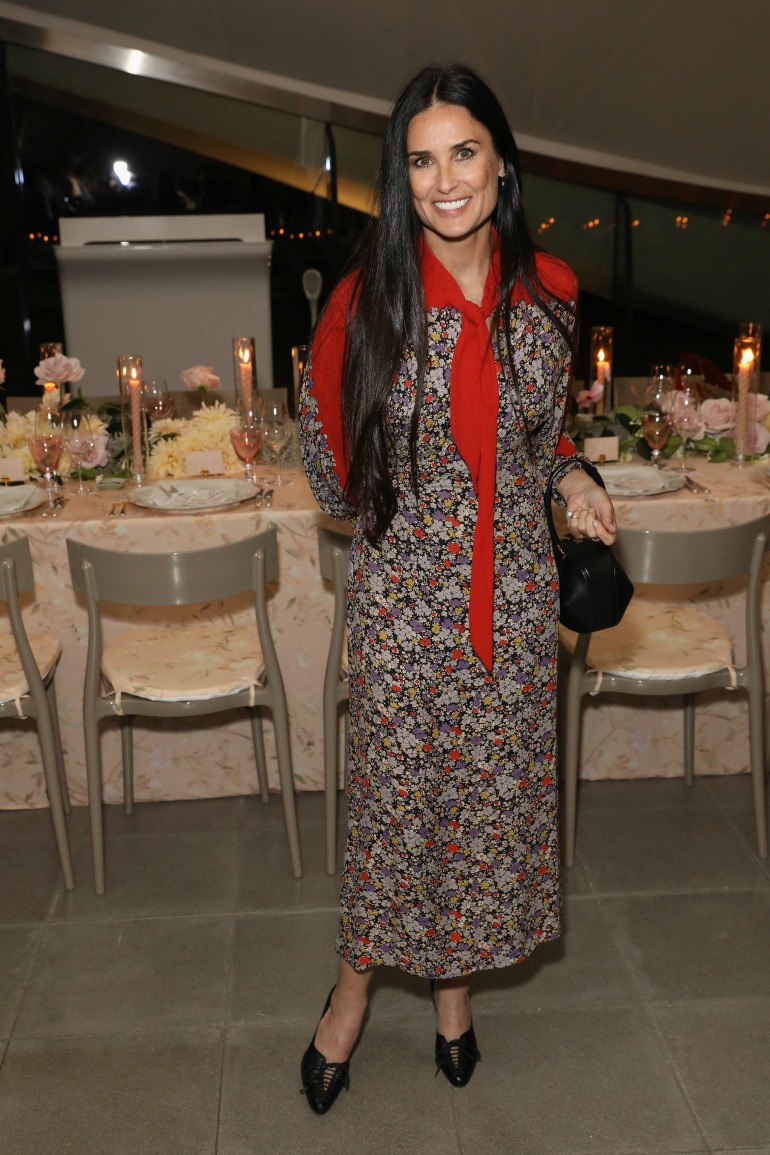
point(590, 512)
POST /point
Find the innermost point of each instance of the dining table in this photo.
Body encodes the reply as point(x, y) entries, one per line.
point(200, 758)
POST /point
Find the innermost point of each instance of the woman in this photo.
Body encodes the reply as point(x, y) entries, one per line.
point(431, 417)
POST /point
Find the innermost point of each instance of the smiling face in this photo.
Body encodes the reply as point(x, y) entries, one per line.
point(453, 173)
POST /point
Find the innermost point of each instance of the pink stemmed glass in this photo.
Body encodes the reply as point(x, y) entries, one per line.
point(247, 437)
point(45, 448)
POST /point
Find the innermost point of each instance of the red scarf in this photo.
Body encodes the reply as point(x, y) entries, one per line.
point(473, 402)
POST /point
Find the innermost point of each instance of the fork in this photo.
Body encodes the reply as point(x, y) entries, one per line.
point(121, 505)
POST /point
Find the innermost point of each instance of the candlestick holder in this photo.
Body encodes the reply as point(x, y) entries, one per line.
point(745, 385)
point(50, 349)
point(245, 373)
point(298, 359)
point(601, 382)
point(133, 417)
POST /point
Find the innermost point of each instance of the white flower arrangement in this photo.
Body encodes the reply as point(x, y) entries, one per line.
point(172, 438)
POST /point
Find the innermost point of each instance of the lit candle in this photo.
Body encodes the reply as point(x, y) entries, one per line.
point(246, 377)
point(135, 394)
point(743, 417)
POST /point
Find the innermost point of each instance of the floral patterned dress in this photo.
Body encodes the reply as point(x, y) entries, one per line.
point(451, 863)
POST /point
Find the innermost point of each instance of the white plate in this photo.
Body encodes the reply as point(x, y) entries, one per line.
point(640, 480)
point(194, 496)
point(29, 497)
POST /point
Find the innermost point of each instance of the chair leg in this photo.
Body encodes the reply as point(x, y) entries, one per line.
point(573, 705)
point(258, 739)
point(283, 751)
point(756, 745)
point(127, 752)
point(689, 739)
point(53, 707)
point(49, 752)
point(331, 735)
point(94, 775)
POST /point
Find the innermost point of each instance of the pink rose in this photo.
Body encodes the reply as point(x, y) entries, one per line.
point(761, 407)
point(59, 369)
point(97, 455)
point(586, 397)
point(201, 377)
point(759, 438)
point(717, 414)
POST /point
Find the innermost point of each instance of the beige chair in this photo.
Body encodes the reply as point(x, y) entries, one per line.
point(27, 670)
point(199, 667)
point(333, 553)
point(664, 648)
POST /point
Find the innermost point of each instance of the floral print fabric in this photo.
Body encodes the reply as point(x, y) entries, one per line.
point(451, 863)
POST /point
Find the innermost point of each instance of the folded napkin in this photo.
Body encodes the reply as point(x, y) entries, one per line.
point(192, 494)
point(15, 498)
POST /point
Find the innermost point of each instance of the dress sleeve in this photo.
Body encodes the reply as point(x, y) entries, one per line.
point(321, 437)
point(558, 280)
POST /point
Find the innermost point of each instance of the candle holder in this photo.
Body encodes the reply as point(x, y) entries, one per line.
point(298, 359)
point(50, 349)
point(245, 372)
point(601, 384)
point(745, 385)
point(133, 417)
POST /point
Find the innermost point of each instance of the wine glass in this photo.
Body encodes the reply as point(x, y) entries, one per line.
point(246, 437)
point(156, 399)
point(45, 447)
point(78, 440)
point(656, 418)
point(686, 417)
point(277, 432)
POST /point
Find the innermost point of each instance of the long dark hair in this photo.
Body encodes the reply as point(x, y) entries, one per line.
point(388, 314)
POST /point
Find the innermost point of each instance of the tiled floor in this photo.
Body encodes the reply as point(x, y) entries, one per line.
point(168, 1017)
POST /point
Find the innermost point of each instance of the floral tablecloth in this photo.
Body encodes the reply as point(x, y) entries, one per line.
point(192, 760)
point(175, 759)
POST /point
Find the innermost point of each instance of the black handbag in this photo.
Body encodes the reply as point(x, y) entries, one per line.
point(594, 589)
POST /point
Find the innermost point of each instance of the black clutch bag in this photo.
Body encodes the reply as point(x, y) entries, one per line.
point(594, 589)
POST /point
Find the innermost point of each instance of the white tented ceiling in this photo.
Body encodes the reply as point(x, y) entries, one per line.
point(671, 88)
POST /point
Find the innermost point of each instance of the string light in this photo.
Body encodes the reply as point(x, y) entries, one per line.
point(681, 222)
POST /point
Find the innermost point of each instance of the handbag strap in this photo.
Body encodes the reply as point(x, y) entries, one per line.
point(592, 472)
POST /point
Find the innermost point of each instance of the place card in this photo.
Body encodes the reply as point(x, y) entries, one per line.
point(11, 469)
point(601, 448)
point(208, 461)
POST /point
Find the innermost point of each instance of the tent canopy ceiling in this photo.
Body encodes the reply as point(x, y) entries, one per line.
point(672, 88)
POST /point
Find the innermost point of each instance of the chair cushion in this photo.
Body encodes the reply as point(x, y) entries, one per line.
point(177, 663)
point(658, 640)
point(13, 680)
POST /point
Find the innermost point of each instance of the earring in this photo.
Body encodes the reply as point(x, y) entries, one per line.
point(502, 181)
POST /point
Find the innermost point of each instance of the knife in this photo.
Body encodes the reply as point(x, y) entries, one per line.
point(695, 486)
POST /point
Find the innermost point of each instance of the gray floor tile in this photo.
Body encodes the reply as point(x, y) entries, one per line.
point(121, 1094)
point(664, 850)
point(31, 879)
point(197, 814)
point(583, 968)
point(18, 947)
point(720, 1053)
point(21, 827)
point(644, 794)
point(137, 974)
point(730, 790)
point(265, 881)
point(574, 879)
point(573, 1082)
point(395, 1105)
point(695, 946)
point(149, 875)
point(283, 966)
